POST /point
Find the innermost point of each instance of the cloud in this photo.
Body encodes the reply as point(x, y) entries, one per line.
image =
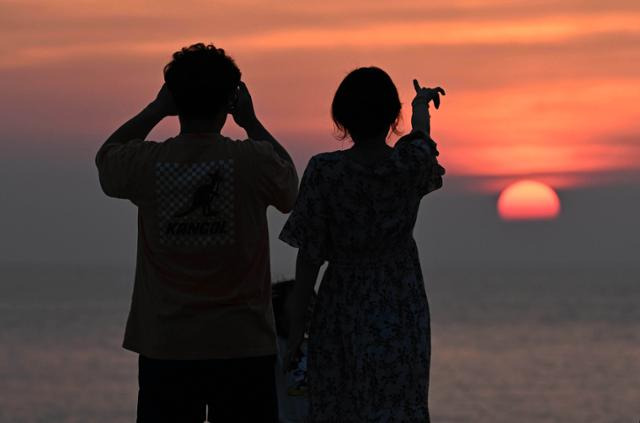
point(41, 32)
point(534, 88)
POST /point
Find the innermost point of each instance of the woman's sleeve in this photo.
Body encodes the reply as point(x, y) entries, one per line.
point(418, 151)
point(306, 228)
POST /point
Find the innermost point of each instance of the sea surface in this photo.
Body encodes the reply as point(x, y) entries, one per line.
point(518, 345)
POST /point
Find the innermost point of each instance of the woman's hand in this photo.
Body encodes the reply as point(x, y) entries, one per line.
point(297, 305)
point(427, 94)
point(296, 321)
point(296, 336)
point(420, 119)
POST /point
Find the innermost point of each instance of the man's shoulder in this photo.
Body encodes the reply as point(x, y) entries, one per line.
point(251, 146)
point(135, 149)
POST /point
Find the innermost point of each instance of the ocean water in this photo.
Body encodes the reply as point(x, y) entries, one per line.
point(509, 345)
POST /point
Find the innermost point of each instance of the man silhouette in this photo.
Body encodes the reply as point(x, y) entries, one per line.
point(201, 317)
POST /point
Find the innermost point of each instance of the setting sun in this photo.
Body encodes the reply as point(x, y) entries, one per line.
point(528, 200)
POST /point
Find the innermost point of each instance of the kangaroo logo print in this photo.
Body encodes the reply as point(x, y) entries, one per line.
point(203, 197)
point(195, 203)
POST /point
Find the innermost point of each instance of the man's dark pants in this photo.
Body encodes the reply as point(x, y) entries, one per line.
point(235, 390)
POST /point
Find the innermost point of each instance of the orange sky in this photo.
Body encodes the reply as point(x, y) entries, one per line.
point(534, 88)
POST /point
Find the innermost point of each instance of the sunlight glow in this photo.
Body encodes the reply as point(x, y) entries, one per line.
point(528, 200)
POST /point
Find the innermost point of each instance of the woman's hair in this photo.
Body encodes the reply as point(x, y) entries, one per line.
point(202, 80)
point(365, 105)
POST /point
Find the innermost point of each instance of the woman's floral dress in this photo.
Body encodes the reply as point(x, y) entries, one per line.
point(369, 344)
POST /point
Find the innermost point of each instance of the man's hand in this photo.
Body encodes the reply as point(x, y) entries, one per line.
point(242, 109)
point(163, 104)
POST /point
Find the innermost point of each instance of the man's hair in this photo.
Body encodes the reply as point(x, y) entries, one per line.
point(366, 104)
point(202, 80)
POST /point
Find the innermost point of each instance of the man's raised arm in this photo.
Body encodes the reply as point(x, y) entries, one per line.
point(139, 126)
point(245, 116)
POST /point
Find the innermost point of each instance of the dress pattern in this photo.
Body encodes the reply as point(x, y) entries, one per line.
point(370, 341)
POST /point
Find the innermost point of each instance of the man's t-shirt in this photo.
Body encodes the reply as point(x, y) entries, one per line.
point(203, 285)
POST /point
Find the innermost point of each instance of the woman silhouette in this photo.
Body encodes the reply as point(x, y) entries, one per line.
point(369, 339)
